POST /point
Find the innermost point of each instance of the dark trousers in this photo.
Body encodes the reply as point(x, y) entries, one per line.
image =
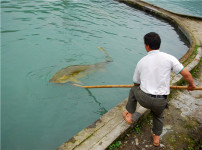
point(156, 105)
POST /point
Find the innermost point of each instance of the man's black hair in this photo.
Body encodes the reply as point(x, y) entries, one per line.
point(153, 40)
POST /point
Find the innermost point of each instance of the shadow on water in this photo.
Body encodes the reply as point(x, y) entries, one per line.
point(101, 110)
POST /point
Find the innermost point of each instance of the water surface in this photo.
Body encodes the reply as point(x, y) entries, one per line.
point(188, 7)
point(43, 36)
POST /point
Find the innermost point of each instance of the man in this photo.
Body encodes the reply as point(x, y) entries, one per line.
point(152, 83)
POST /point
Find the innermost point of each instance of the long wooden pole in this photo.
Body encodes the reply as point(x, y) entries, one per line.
point(129, 86)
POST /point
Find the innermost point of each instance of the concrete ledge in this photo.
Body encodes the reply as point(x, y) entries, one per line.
point(103, 132)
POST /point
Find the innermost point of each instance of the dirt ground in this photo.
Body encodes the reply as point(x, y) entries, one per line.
point(179, 133)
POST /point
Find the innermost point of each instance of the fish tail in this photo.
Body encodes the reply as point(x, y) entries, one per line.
point(108, 58)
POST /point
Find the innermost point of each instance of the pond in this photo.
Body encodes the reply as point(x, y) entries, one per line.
point(41, 37)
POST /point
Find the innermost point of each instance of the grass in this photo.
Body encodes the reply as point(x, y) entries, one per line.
point(137, 129)
point(115, 145)
point(140, 124)
point(195, 72)
point(195, 51)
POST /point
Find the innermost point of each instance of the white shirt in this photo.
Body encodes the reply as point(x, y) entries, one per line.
point(153, 72)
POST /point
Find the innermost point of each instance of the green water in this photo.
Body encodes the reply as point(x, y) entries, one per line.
point(188, 7)
point(43, 36)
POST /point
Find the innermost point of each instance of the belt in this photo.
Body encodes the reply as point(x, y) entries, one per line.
point(158, 96)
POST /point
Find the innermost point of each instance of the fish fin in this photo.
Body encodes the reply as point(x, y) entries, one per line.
point(108, 58)
point(101, 49)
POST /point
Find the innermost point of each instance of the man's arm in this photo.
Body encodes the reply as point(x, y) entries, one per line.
point(188, 77)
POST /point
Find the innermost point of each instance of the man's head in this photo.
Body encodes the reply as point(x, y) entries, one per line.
point(152, 40)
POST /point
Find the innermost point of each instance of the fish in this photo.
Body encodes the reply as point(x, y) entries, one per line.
point(74, 72)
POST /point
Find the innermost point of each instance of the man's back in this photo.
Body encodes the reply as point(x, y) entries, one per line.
point(154, 70)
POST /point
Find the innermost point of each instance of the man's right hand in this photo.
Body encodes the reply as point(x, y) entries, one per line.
point(190, 87)
point(188, 77)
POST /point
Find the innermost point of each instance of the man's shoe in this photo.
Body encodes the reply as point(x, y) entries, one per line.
point(156, 140)
point(128, 117)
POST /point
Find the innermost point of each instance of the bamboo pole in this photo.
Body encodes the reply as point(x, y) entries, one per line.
point(129, 86)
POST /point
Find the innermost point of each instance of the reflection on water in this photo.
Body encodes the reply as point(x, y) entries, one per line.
point(43, 36)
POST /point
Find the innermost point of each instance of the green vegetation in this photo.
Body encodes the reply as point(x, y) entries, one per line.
point(115, 145)
point(147, 120)
point(172, 139)
point(137, 129)
point(142, 123)
point(193, 52)
point(195, 72)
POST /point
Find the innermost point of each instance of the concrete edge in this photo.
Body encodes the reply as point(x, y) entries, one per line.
point(104, 131)
point(97, 136)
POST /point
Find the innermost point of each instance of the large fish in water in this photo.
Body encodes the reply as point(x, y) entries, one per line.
point(74, 72)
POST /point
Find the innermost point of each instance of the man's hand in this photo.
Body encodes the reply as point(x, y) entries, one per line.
point(188, 77)
point(190, 87)
point(135, 84)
